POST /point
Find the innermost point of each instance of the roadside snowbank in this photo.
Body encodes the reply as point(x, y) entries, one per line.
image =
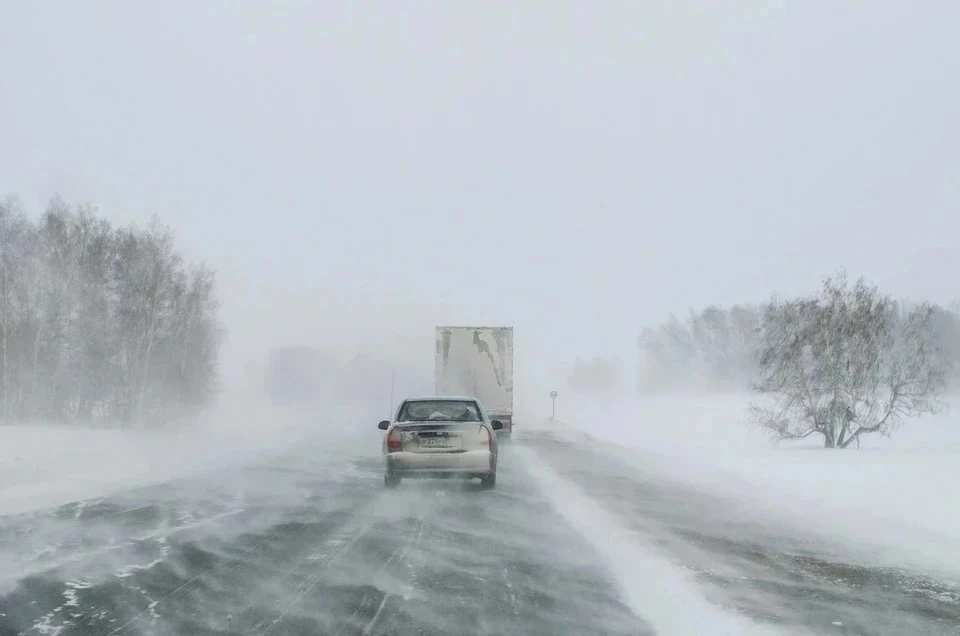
point(44, 466)
point(657, 590)
point(893, 501)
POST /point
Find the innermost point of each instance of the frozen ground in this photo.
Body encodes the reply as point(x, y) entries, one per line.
point(287, 530)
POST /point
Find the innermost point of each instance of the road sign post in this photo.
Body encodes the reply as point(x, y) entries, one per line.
point(553, 405)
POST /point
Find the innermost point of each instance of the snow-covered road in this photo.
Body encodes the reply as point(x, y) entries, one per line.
point(574, 540)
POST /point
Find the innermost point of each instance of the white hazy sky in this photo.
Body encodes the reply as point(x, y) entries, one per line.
point(358, 172)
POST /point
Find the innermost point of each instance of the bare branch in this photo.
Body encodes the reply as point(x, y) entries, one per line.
point(846, 363)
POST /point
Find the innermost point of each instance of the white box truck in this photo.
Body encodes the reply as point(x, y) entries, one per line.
point(478, 362)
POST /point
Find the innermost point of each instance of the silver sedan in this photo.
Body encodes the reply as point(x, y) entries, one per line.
point(440, 437)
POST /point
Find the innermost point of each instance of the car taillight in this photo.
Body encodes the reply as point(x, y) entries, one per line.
point(393, 440)
point(484, 436)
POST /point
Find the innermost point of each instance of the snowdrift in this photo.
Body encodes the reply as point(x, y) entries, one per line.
point(42, 466)
point(890, 502)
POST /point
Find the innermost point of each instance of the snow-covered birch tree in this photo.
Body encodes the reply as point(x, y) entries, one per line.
point(98, 324)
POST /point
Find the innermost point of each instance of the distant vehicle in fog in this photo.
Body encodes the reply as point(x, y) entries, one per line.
point(440, 437)
point(477, 361)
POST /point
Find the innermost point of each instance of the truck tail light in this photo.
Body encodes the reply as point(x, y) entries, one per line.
point(394, 443)
point(484, 436)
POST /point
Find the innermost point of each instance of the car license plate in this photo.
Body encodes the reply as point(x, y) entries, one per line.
point(436, 442)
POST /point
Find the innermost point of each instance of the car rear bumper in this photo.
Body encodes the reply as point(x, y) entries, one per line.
point(477, 462)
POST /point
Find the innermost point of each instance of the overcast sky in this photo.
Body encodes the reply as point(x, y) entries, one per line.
point(358, 172)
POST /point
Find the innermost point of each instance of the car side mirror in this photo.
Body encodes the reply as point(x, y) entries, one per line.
point(384, 425)
point(496, 424)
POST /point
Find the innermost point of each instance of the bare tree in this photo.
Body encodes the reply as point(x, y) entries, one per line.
point(712, 349)
point(846, 363)
point(98, 324)
point(17, 243)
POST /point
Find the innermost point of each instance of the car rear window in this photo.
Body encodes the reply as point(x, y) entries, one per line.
point(449, 410)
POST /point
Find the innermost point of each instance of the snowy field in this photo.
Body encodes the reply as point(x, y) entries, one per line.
point(46, 466)
point(892, 501)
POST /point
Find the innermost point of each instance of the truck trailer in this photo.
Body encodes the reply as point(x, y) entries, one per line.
point(478, 361)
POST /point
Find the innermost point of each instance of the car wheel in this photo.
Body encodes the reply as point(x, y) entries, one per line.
point(391, 481)
point(489, 482)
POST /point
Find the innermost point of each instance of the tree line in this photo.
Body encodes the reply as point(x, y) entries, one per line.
point(101, 324)
point(839, 364)
point(711, 349)
point(718, 348)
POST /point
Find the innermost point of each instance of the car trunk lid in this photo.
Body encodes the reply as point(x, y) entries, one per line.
point(440, 437)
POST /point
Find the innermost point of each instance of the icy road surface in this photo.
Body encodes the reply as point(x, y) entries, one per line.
point(573, 541)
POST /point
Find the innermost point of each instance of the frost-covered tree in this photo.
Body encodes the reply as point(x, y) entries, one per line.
point(712, 349)
point(846, 363)
point(18, 245)
point(717, 348)
point(98, 324)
